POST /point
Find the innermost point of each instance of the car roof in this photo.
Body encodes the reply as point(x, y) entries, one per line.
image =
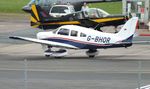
point(63, 5)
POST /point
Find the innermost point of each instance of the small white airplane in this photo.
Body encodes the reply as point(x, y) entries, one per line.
point(77, 37)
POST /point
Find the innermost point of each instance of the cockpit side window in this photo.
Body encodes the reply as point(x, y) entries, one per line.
point(54, 31)
point(82, 34)
point(74, 33)
point(63, 31)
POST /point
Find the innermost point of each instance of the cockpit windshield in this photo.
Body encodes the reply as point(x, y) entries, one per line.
point(63, 31)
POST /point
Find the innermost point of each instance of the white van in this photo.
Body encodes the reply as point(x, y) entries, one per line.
point(61, 10)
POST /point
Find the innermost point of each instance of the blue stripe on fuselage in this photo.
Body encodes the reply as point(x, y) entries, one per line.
point(82, 45)
point(128, 39)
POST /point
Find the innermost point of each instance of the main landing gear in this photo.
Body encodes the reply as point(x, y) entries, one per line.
point(53, 53)
point(92, 53)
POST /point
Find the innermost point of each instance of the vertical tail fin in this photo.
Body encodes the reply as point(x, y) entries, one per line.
point(128, 30)
point(37, 16)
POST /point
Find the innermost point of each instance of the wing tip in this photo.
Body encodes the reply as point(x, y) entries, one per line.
point(14, 37)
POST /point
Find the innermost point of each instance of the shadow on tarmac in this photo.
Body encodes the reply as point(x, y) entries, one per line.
point(97, 58)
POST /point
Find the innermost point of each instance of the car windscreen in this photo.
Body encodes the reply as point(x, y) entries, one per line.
point(59, 9)
point(92, 13)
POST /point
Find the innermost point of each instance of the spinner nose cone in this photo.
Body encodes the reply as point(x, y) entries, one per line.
point(39, 35)
point(27, 8)
point(43, 35)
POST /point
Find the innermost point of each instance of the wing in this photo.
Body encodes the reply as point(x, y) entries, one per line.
point(45, 42)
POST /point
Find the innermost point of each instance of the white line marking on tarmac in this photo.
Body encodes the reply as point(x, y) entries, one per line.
point(145, 87)
point(59, 70)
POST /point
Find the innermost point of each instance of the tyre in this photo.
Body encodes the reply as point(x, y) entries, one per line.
point(47, 55)
point(91, 56)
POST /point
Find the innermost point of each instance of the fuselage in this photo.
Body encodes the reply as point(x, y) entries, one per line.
point(82, 38)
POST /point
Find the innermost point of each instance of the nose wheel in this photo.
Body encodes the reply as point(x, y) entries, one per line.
point(92, 56)
point(47, 55)
point(48, 51)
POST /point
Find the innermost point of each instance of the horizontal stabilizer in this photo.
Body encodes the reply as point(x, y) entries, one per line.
point(141, 42)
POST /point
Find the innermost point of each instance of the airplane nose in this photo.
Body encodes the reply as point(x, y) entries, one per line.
point(43, 35)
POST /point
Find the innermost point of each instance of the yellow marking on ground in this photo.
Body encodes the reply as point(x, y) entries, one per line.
point(35, 12)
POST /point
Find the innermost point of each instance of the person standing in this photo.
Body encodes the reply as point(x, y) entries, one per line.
point(84, 7)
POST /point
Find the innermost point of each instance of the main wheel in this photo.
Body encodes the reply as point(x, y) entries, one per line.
point(58, 57)
point(92, 53)
point(91, 56)
point(47, 55)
